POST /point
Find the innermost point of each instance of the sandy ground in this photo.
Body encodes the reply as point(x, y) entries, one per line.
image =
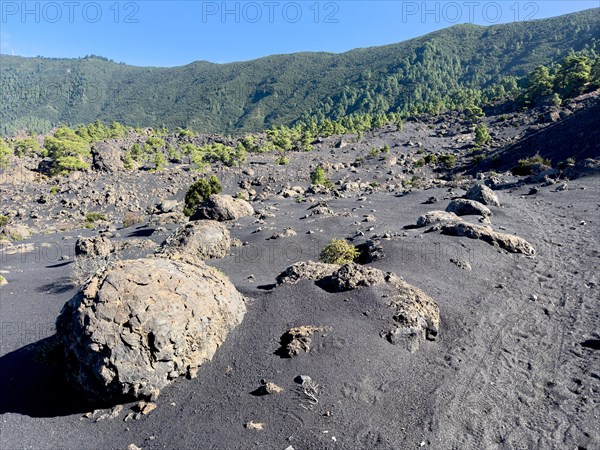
point(516, 364)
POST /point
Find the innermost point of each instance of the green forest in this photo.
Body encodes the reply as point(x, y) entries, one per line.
point(458, 67)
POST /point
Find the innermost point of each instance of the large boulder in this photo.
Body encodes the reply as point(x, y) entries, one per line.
point(432, 217)
point(197, 241)
point(16, 231)
point(107, 157)
point(140, 324)
point(464, 207)
point(94, 246)
point(222, 207)
point(509, 242)
point(482, 194)
point(306, 270)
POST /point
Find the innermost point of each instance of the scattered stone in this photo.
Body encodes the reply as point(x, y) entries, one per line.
point(370, 251)
point(94, 246)
point(223, 207)
point(145, 408)
point(483, 195)
point(140, 324)
point(533, 191)
point(431, 201)
point(288, 232)
point(297, 340)
point(254, 425)
point(306, 270)
point(464, 207)
point(197, 241)
point(133, 447)
point(461, 264)
point(303, 380)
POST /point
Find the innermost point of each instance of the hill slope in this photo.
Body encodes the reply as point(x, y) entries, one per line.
point(433, 71)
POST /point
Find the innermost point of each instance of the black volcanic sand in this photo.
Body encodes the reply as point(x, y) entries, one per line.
point(516, 364)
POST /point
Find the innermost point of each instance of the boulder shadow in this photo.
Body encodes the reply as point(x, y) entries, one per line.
point(34, 385)
point(59, 286)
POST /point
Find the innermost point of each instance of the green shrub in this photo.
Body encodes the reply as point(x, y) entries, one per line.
point(373, 152)
point(54, 190)
point(4, 220)
point(27, 147)
point(338, 251)
point(448, 159)
point(525, 166)
point(92, 217)
point(67, 150)
point(5, 154)
point(282, 160)
point(200, 191)
point(173, 154)
point(569, 162)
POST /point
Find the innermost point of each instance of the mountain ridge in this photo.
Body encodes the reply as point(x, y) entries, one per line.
point(251, 95)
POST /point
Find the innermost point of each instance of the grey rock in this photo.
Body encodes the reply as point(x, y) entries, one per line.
point(483, 195)
point(509, 242)
point(432, 217)
point(197, 241)
point(94, 246)
point(140, 324)
point(107, 157)
point(464, 207)
point(223, 207)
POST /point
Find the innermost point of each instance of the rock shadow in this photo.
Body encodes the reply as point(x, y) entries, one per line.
point(34, 384)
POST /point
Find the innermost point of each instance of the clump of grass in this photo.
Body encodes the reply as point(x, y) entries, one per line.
point(282, 160)
point(338, 251)
point(92, 217)
point(4, 220)
point(447, 159)
point(526, 166)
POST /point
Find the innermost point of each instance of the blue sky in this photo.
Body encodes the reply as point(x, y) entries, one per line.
point(160, 33)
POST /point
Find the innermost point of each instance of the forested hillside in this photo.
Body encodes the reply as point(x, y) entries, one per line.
point(446, 69)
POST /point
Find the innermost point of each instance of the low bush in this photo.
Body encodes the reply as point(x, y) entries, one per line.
point(338, 251)
point(526, 166)
point(131, 218)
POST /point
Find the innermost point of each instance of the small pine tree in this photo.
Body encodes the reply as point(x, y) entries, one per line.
point(318, 176)
point(200, 191)
point(481, 134)
point(158, 160)
point(5, 155)
point(128, 162)
point(173, 154)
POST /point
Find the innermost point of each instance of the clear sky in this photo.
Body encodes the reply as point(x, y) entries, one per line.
point(171, 33)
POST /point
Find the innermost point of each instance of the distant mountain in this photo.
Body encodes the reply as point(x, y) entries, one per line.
point(439, 70)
